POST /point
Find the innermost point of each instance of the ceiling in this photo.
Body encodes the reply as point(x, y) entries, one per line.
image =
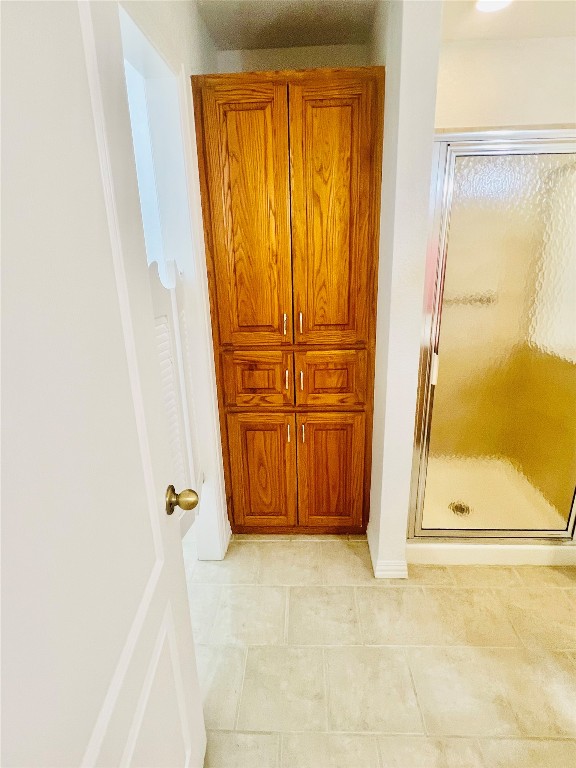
point(249, 24)
point(521, 19)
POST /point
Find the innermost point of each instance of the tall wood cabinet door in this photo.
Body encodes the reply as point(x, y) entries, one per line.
point(263, 468)
point(246, 149)
point(335, 127)
point(330, 469)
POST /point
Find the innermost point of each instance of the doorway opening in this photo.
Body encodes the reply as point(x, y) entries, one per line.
point(155, 110)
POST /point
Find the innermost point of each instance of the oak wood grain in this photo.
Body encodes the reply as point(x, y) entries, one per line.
point(258, 378)
point(336, 151)
point(263, 468)
point(331, 377)
point(246, 146)
point(330, 469)
point(333, 128)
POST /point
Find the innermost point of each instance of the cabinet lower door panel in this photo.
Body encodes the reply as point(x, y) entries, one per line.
point(263, 468)
point(330, 469)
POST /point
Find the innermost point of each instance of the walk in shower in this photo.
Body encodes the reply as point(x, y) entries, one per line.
point(496, 429)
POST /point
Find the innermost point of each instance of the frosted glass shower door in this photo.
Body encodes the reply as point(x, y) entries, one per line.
point(502, 431)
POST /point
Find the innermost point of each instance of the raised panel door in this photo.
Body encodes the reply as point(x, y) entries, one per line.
point(246, 150)
point(333, 135)
point(331, 378)
point(258, 378)
point(263, 468)
point(330, 469)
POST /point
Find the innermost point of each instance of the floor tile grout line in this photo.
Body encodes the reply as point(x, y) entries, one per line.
point(400, 734)
point(417, 698)
point(236, 719)
point(381, 584)
point(288, 594)
point(379, 753)
point(479, 749)
point(326, 690)
point(358, 617)
point(423, 646)
point(280, 749)
point(213, 624)
point(321, 560)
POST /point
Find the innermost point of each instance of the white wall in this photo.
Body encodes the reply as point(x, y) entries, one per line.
point(177, 31)
point(407, 42)
point(293, 58)
point(507, 83)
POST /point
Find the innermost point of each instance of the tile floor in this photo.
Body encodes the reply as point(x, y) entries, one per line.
point(307, 661)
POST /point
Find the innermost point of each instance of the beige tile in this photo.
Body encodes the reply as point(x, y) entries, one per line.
point(434, 616)
point(547, 576)
point(422, 575)
point(357, 537)
point(283, 690)
point(250, 537)
point(370, 689)
point(322, 616)
point(329, 750)
point(542, 617)
point(290, 562)
point(240, 566)
point(242, 750)
point(572, 657)
point(203, 600)
point(484, 576)
point(431, 575)
point(346, 562)
point(493, 692)
point(221, 671)
point(529, 753)
point(423, 752)
point(250, 615)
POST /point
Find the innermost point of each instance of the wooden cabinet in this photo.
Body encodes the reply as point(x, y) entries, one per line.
point(330, 469)
point(331, 378)
point(332, 138)
point(263, 468)
point(258, 378)
point(246, 146)
point(290, 168)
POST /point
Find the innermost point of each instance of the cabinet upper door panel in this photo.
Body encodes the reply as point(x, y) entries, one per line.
point(335, 163)
point(246, 149)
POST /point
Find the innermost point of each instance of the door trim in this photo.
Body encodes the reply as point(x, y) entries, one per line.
point(447, 147)
point(212, 524)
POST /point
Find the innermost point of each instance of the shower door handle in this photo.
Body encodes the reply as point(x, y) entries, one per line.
point(434, 369)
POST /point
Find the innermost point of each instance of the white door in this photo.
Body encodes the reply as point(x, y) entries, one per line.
point(98, 656)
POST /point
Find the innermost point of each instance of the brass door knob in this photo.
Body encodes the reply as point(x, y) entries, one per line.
point(187, 499)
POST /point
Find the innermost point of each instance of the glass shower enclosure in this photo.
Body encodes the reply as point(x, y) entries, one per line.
point(496, 428)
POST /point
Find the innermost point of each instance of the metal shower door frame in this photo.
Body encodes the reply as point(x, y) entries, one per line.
point(447, 148)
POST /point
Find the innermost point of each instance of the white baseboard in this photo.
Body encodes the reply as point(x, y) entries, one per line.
point(391, 569)
point(469, 553)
